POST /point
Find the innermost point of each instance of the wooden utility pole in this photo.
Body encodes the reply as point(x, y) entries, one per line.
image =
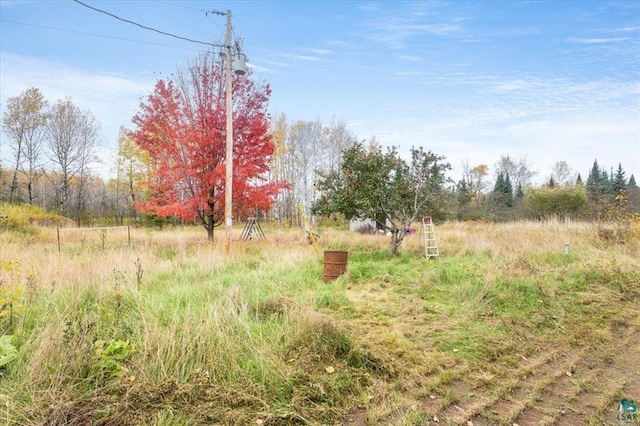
point(228, 185)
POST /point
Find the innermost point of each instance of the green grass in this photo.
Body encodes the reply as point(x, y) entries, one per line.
point(171, 332)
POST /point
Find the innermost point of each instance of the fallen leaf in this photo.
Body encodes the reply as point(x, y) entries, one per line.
point(568, 373)
point(329, 369)
point(131, 378)
point(456, 350)
point(436, 419)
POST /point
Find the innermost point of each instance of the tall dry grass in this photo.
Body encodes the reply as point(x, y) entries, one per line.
point(171, 331)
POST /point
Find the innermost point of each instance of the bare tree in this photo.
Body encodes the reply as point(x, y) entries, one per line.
point(303, 148)
point(337, 139)
point(280, 170)
point(313, 146)
point(519, 171)
point(72, 136)
point(562, 173)
point(306, 141)
point(474, 177)
point(24, 123)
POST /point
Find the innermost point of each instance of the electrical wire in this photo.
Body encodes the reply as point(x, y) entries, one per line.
point(97, 35)
point(145, 27)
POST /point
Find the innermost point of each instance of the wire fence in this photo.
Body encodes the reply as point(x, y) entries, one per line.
point(82, 234)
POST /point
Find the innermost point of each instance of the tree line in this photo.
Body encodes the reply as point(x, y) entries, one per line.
point(52, 145)
point(170, 167)
point(604, 196)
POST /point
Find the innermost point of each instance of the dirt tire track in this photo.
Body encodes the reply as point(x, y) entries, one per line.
point(556, 387)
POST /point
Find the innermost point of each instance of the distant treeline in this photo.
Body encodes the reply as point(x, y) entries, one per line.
point(52, 148)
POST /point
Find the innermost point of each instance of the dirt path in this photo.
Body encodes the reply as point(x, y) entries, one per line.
point(582, 386)
point(554, 386)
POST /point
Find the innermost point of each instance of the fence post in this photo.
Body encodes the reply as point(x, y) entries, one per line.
point(129, 235)
point(58, 232)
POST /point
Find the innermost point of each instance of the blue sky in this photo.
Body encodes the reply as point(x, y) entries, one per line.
point(543, 80)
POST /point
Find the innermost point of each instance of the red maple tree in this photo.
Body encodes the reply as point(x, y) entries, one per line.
point(182, 126)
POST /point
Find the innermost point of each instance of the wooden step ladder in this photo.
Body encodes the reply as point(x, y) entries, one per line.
point(430, 241)
point(251, 228)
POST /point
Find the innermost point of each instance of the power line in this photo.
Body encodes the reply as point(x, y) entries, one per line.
point(145, 27)
point(206, 12)
point(96, 35)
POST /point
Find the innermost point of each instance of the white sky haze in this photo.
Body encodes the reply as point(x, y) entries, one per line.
point(471, 80)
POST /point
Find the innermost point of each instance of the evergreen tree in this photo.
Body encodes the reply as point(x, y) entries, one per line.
point(607, 180)
point(508, 191)
point(619, 182)
point(632, 182)
point(464, 193)
point(503, 190)
point(498, 188)
point(596, 182)
point(579, 180)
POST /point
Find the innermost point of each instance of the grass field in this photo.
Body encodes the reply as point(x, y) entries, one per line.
point(504, 328)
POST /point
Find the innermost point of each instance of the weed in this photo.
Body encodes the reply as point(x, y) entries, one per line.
point(139, 272)
point(8, 352)
point(10, 296)
point(110, 357)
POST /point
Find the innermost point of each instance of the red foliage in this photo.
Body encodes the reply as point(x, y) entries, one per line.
point(182, 127)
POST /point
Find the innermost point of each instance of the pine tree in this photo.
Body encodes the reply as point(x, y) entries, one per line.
point(619, 182)
point(579, 180)
point(596, 182)
point(632, 182)
point(498, 188)
point(607, 178)
point(508, 191)
point(464, 193)
point(503, 190)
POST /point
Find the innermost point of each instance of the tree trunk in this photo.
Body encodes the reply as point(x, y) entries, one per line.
point(209, 222)
point(30, 191)
point(396, 239)
point(14, 180)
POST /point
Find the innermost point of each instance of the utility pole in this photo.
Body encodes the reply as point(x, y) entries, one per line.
point(238, 68)
point(228, 185)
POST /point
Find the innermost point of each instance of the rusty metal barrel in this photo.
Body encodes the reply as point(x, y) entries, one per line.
point(335, 264)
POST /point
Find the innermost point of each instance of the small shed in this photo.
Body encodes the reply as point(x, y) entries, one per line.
point(367, 226)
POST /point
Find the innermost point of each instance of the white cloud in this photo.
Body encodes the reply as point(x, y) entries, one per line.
point(113, 99)
point(319, 51)
point(516, 85)
point(306, 58)
point(599, 40)
point(543, 120)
